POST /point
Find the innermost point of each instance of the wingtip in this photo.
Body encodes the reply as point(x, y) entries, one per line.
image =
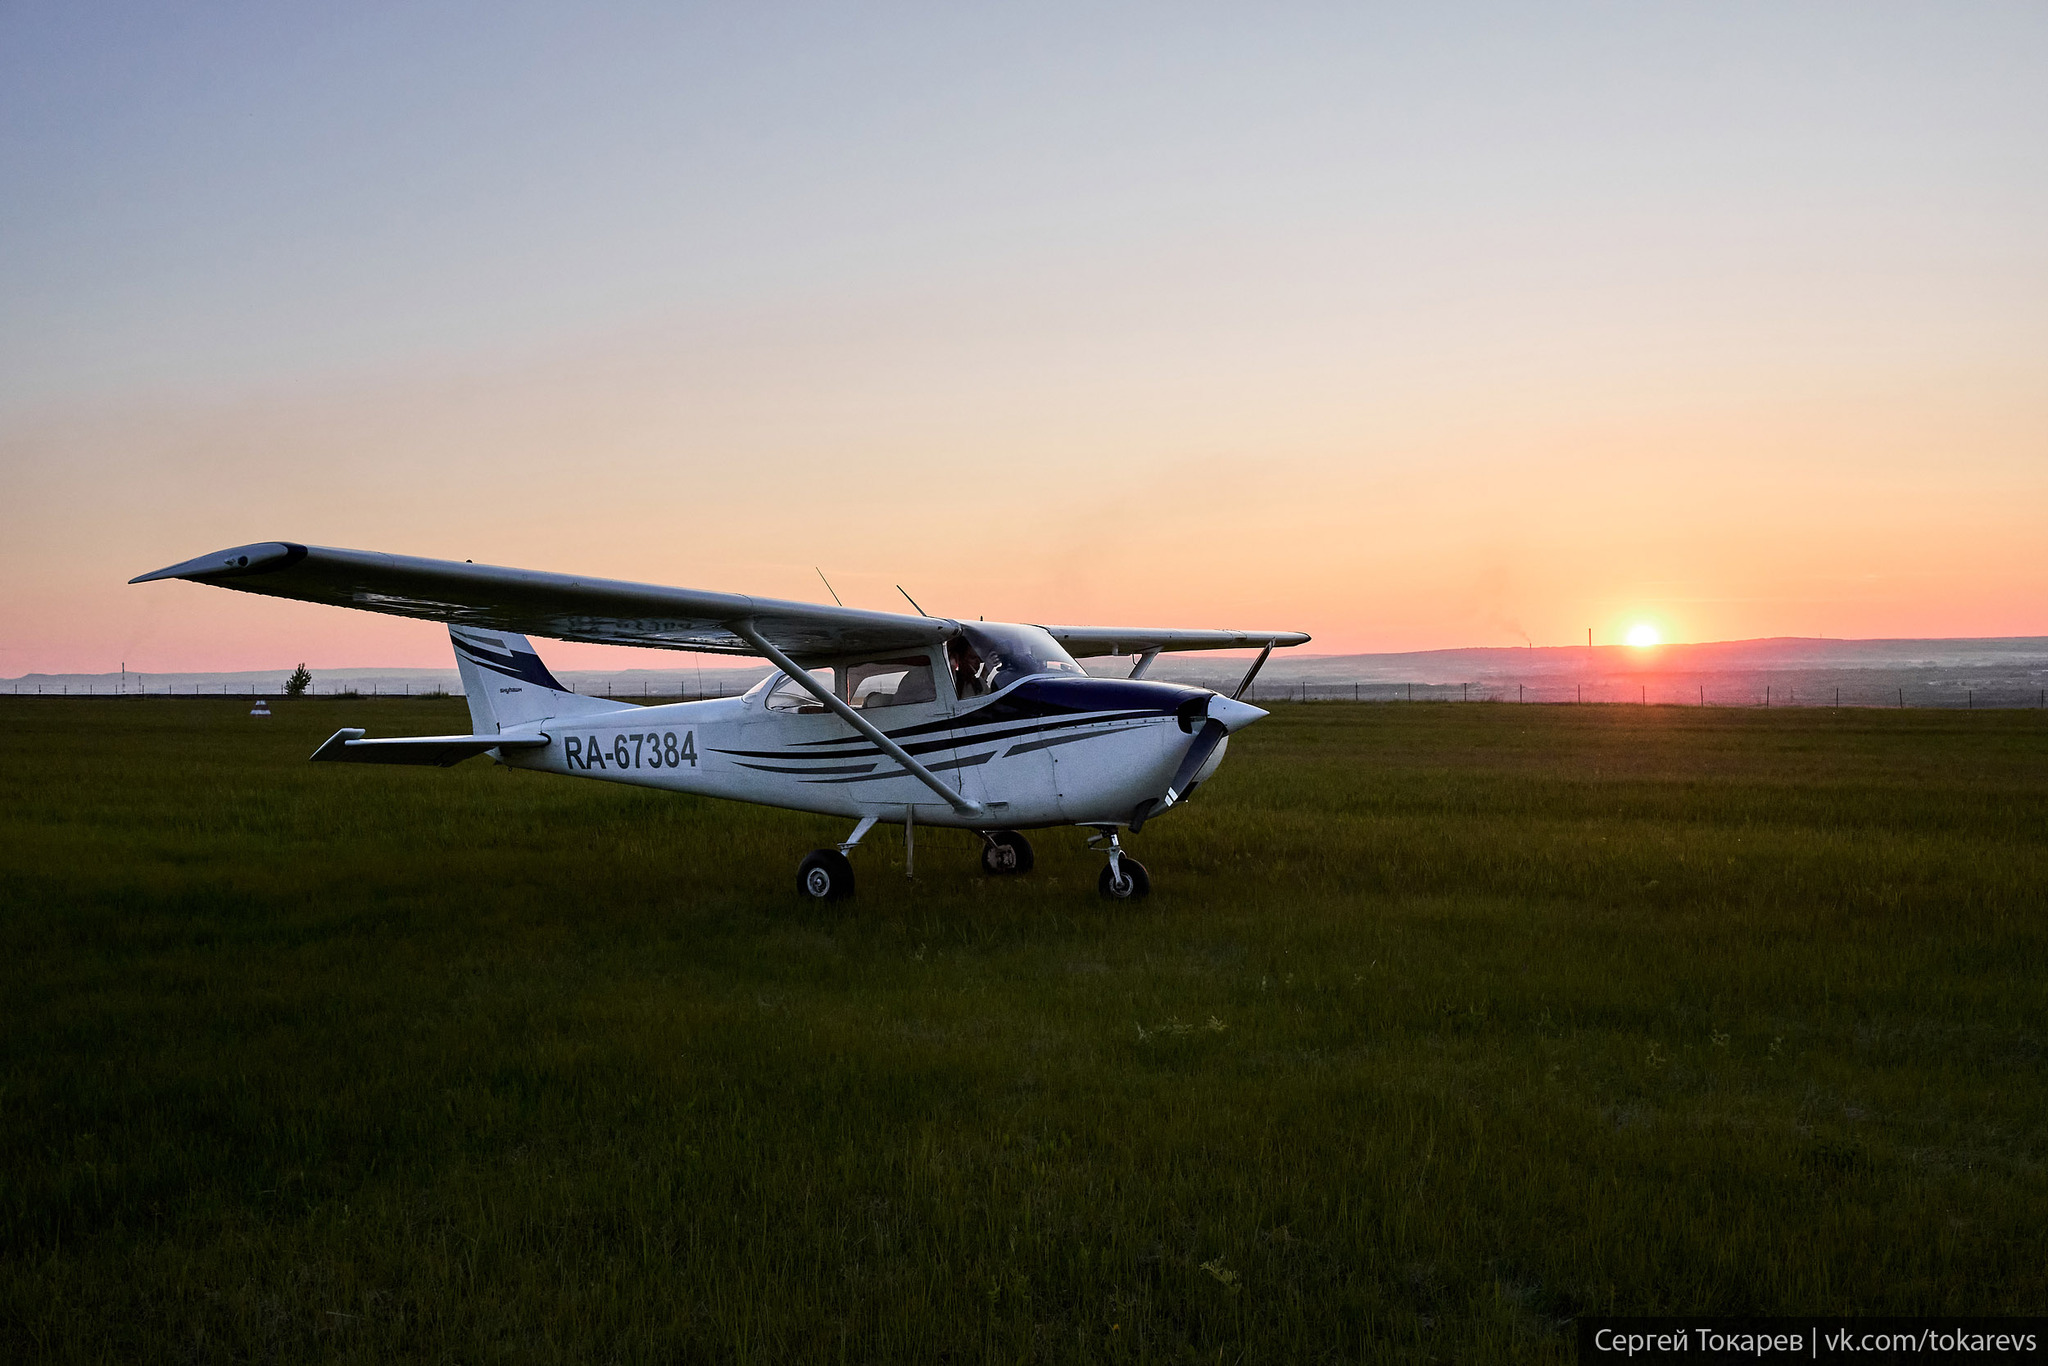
point(263, 557)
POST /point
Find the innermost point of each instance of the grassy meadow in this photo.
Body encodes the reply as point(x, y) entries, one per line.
point(1444, 1024)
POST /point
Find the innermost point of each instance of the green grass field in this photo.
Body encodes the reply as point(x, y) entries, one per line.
point(1445, 1024)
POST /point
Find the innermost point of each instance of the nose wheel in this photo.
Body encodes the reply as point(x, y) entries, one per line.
point(1005, 853)
point(1125, 878)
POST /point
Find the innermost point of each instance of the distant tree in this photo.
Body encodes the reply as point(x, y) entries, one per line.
point(296, 685)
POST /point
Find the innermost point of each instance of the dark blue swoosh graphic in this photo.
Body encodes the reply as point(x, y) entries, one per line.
point(523, 665)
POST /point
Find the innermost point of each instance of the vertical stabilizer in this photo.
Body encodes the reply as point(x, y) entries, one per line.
point(507, 685)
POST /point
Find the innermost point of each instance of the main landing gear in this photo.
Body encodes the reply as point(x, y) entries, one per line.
point(1005, 853)
point(827, 874)
point(1125, 878)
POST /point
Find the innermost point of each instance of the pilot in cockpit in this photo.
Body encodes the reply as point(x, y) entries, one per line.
point(966, 668)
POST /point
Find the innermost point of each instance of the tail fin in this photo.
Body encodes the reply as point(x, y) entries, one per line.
point(508, 686)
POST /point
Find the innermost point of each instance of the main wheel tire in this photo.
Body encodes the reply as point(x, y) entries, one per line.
point(1005, 853)
point(825, 876)
point(1134, 884)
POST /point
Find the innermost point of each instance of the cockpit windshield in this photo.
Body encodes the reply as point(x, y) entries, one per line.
point(986, 658)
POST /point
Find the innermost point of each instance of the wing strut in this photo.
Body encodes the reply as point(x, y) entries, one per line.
point(745, 631)
point(1253, 672)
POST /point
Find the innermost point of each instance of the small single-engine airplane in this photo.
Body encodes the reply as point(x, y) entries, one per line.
point(872, 716)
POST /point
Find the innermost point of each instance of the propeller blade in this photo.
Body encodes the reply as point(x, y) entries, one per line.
point(1199, 749)
point(1209, 719)
point(1206, 739)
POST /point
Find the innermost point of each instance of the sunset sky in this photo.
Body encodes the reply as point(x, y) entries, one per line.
point(1410, 326)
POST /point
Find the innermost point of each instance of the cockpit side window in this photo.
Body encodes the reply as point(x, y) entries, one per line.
point(788, 695)
point(988, 658)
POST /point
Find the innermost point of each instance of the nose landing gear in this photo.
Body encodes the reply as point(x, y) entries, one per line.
point(1125, 878)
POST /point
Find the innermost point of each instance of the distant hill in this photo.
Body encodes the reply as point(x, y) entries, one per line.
point(2024, 654)
point(2006, 671)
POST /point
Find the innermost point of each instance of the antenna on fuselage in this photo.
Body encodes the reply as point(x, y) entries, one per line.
point(828, 585)
point(913, 602)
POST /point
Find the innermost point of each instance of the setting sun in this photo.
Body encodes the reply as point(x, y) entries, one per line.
point(1643, 635)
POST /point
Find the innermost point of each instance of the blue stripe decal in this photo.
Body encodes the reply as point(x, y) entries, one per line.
point(1039, 699)
point(1064, 740)
point(951, 742)
point(973, 761)
point(523, 665)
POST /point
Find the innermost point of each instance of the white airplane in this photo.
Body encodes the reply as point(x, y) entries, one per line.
point(874, 716)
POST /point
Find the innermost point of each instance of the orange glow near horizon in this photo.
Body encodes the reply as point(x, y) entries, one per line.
point(1134, 514)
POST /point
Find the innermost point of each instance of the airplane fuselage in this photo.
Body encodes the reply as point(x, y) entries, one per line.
point(1046, 751)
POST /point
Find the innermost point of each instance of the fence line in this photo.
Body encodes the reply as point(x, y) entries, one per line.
point(1960, 697)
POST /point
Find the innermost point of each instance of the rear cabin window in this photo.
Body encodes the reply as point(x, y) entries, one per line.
point(891, 682)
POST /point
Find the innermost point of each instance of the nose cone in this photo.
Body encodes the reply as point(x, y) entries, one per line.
point(1234, 715)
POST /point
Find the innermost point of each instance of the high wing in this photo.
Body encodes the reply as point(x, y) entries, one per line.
point(612, 612)
point(559, 606)
point(1084, 642)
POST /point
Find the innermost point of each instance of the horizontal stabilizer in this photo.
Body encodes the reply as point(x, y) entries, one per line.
point(347, 746)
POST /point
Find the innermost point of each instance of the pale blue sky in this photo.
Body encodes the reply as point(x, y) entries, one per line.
point(208, 195)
